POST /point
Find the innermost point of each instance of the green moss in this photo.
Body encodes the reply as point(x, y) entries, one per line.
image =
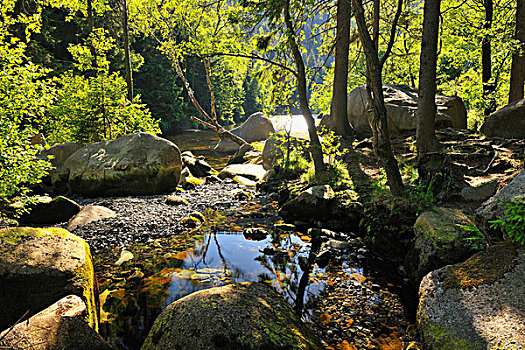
point(482, 268)
point(14, 235)
point(437, 337)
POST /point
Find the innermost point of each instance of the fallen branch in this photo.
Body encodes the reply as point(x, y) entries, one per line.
point(223, 133)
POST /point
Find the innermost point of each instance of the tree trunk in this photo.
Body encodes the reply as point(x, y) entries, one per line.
point(486, 63)
point(430, 160)
point(338, 115)
point(315, 144)
point(426, 108)
point(517, 70)
point(382, 146)
point(91, 22)
point(127, 61)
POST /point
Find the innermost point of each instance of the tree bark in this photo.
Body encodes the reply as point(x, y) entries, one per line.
point(426, 108)
point(517, 70)
point(127, 60)
point(338, 115)
point(486, 62)
point(315, 145)
point(374, 66)
point(430, 159)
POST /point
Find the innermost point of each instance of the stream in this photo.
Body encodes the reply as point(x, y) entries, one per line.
point(352, 299)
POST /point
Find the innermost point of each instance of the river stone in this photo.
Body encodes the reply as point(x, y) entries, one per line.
point(89, 214)
point(274, 149)
point(56, 182)
point(476, 305)
point(47, 211)
point(60, 326)
point(401, 105)
point(40, 266)
point(254, 172)
point(480, 189)
point(248, 316)
point(315, 202)
point(197, 167)
point(507, 122)
point(256, 128)
point(438, 241)
point(491, 209)
point(138, 164)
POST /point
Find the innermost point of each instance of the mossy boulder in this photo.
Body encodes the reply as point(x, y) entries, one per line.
point(438, 241)
point(40, 266)
point(49, 211)
point(138, 164)
point(314, 202)
point(240, 316)
point(60, 326)
point(477, 304)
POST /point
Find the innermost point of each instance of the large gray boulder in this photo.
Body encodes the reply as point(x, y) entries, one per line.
point(89, 214)
point(494, 207)
point(401, 105)
point(39, 267)
point(60, 326)
point(507, 122)
point(138, 164)
point(254, 172)
point(56, 181)
point(256, 128)
point(249, 316)
point(438, 241)
point(475, 305)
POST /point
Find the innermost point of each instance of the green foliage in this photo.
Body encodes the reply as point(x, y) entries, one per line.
point(336, 175)
point(295, 152)
point(331, 145)
point(24, 96)
point(472, 236)
point(513, 220)
point(93, 107)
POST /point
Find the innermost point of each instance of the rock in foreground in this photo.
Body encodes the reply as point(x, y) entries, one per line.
point(238, 316)
point(476, 305)
point(47, 211)
point(40, 266)
point(138, 164)
point(59, 326)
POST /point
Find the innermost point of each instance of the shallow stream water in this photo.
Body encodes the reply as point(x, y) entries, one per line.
point(353, 301)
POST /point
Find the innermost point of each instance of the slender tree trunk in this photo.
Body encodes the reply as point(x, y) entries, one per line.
point(127, 61)
point(375, 22)
point(382, 146)
point(426, 108)
point(517, 70)
point(315, 144)
point(91, 22)
point(486, 63)
point(430, 160)
point(338, 115)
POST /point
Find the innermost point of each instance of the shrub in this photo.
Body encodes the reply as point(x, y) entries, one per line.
point(513, 221)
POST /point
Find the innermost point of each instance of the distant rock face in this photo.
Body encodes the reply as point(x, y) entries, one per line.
point(39, 267)
point(47, 211)
point(256, 128)
point(478, 304)
point(138, 164)
point(491, 209)
point(508, 122)
point(437, 242)
point(401, 105)
point(248, 316)
point(59, 326)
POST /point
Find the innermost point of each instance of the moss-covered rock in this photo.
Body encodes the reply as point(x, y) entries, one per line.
point(138, 164)
point(238, 316)
point(48, 211)
point(438, 241)
point(40, 266)
point(59, 326)
point(477, 304)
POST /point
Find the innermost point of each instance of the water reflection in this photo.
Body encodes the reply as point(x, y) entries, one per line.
point(284, 261)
